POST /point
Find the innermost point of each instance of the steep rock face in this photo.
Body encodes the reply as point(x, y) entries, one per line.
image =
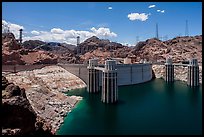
point(18, 117)
point(31, 44)
point(13, 53)
point(94, 43)
point(9, 42)
point(184, 48)
point(102, 49)
point(44, 89)
point(40, 57)
point(151, 49)
point(179, 48)
point(11, 58)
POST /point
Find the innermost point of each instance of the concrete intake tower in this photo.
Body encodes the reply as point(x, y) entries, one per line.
point(93, 76)
point(193, 73)
point(169, 70)
point(109, 83)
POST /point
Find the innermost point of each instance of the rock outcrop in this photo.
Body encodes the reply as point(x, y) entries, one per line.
point(13, 53)
point(179, 48)
point(94, 43)
point(9, 42)
point(101, 49)
point(31, 44)
point(18, 117)
point(45, 91)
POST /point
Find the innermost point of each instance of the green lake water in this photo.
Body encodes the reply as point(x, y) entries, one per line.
point(153, 107)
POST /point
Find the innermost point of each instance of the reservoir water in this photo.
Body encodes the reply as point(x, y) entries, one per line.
point(154, 107)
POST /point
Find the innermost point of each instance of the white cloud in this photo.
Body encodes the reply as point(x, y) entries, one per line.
point(161, 11)
point(103, 32)
point(110, 8)
point(57, 30)
point(14, 28)
point(60, 35)
point(34, 32)
point(151, 6)
point(138, 16)
point(69, 36)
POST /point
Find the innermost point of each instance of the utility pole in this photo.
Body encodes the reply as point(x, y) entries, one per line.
point(20, 36)
point(78, 48)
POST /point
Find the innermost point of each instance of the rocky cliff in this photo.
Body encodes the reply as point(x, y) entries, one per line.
point(179, 48)
point(102, 49)
point(18, 116)
point(14, 53)
point(45, 89)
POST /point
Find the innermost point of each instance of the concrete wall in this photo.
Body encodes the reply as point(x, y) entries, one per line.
point(133, 73)
point(79, 70)
point(127, 73)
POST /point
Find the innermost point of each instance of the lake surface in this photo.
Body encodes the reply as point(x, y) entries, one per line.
point(154, 107)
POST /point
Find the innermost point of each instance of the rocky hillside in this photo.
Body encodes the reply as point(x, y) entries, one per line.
point(179, 48)
point(31, 44)
point(13, 53)
point(102, 49)
point(94, 43)
point(18, 117)
point(47, 46)
point(44, 89)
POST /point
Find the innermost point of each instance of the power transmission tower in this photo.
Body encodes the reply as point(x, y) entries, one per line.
point(186, 30)
point(157, 33)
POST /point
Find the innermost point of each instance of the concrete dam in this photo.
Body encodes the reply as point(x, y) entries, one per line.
point(109, 76)
point(127, 74)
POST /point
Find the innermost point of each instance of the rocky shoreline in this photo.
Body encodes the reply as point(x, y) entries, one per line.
point(180, 73)
point(44, 89)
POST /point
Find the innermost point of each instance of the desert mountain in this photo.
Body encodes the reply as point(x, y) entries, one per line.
point(179, 48)
point(14, 53)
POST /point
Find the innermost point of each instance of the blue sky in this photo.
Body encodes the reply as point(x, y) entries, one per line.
point(62, 21)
